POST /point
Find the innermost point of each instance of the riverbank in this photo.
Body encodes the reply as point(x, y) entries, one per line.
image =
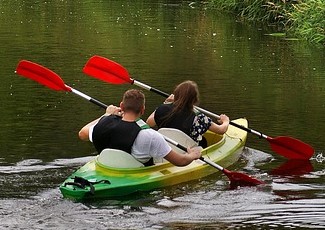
point(303, 19)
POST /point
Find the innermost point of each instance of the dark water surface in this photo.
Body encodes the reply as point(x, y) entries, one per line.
point(278, 84)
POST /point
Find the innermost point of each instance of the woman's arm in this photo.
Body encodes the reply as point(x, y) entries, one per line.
point(151, 120)
point(223, 127)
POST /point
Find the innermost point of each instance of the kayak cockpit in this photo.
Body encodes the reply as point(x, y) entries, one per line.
point(113, 159)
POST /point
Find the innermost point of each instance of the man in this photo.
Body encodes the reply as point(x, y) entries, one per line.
point(121, 128)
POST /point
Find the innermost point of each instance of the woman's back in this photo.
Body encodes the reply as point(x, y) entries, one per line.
point(182, 120)
point(181, 113)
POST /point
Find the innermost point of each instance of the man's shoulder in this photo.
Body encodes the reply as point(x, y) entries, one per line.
point(149, 134)
point(109, 118)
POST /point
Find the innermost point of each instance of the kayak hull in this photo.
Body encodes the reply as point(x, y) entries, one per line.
point(108, 182)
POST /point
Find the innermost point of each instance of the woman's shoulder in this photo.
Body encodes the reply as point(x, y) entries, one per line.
point(168, 105)
point(202, 118)
point(164, 108)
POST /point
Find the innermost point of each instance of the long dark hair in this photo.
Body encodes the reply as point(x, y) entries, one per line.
point(186, 95)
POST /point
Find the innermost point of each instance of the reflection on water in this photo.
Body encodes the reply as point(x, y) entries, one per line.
point(35, 165)
point(293, 168)
point(286, 201)
point(320, 158)
point(29, 177)
point(207, 208)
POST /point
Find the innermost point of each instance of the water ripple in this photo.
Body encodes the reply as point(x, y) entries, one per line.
point(34, 165)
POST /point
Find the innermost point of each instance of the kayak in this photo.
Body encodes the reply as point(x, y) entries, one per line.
point(112, 174)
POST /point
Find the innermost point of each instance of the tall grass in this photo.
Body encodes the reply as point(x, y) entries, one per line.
point(308, 20)
point(302, 18)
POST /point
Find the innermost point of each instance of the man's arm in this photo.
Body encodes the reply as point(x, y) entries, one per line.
point(179, 159)
point(84, 131)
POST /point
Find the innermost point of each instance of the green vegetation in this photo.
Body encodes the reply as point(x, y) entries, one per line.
point(302, 18)
point(308, 20)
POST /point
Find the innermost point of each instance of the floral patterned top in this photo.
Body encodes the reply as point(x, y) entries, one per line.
point(200, 125)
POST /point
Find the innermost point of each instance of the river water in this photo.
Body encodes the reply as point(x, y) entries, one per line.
point(277, 83)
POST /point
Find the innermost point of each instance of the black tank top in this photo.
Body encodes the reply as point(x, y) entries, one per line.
point(182, 120)
point(112, 132)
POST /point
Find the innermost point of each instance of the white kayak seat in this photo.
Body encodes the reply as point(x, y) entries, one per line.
point(118, 159)
point(180, 137)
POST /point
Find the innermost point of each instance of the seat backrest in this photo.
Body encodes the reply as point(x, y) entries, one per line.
point(118, 159)
point(178, 136)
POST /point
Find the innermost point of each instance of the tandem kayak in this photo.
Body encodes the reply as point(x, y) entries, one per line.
point(111, 174)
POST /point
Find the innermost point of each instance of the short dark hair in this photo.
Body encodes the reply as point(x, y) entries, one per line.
point(133, 100)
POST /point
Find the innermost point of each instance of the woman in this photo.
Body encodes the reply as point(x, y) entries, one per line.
point(178, 112)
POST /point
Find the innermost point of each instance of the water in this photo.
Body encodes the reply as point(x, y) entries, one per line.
point(277, 84)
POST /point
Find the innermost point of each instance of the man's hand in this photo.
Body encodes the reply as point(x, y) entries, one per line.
point(112, 109)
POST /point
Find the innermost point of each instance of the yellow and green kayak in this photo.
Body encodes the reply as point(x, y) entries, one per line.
point(103, 177)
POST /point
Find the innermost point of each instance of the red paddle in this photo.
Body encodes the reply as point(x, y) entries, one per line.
point(53, 81)
point(236, 178)
point(112, 72)
point(49, 79)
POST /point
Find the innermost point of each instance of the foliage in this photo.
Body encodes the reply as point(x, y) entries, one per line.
point(308, 20)
point(303, 18)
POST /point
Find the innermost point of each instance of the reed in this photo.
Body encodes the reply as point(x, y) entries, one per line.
point(302, 18)
point(308, 20)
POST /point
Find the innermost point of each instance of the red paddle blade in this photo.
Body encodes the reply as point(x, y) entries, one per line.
point(291, 148)
point(41, 74)
point(107, 70)
point(241, 179)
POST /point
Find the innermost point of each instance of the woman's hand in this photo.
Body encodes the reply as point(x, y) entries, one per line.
point(170, 99)
point(224, 119)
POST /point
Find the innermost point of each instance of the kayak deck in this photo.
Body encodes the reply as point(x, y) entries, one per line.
point(96, 180)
